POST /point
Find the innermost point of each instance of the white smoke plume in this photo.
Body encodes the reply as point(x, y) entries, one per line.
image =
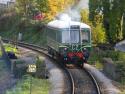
point(74, 11)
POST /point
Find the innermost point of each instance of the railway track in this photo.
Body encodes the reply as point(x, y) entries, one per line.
point(84, 83)
point(80, 81)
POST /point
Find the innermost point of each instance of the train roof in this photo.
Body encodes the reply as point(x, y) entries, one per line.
point(66, 24)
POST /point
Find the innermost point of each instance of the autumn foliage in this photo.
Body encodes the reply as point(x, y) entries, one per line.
point(48, 8)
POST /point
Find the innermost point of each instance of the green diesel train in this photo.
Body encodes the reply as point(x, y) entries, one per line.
point(69, 41)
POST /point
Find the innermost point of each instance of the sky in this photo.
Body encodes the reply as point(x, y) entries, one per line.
point(5, 1)
point(85, 4)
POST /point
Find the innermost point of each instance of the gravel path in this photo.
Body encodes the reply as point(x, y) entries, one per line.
point(105, 83)
point(56, 78)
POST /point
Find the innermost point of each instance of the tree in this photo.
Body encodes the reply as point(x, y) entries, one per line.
point(22, 6)
point(113, 17)
point(56, 7)
point(50, 8)
point(98, 31)
point(29, 8)
point(94, 8)
point(84, 16)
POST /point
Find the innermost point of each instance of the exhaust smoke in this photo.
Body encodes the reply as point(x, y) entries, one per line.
point(73, 12)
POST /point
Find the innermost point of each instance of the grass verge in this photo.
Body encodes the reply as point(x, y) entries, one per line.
point(39, 86)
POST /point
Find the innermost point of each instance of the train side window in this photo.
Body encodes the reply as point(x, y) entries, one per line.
point(58, 37)
point(65, 36)
point(85, 35)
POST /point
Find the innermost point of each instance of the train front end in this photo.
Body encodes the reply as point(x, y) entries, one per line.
point(76, 44)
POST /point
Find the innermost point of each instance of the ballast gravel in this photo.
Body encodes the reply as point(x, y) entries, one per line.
point(106, 85)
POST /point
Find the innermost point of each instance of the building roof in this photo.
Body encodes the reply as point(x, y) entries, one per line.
point(66, 24)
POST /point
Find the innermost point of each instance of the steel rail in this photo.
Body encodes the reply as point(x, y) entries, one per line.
point(23, 43)
point(70, 79)
point(95, 82)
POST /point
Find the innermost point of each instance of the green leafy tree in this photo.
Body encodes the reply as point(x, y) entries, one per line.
point(113, 17)
point(94, 8)
point(49, 8)
point(84, 16)
point(29, 8)
point(98, 30)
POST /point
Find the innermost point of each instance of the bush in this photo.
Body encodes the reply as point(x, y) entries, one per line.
point(111, 54)
point(121, 71)
point(40, 66)
point(19, 69)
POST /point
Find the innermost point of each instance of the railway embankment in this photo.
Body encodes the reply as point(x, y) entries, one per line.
point(111, 63)
point(104, 82)
point(111, 69)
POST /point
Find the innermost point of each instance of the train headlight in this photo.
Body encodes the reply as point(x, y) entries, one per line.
point(86, 53)
point(65, 58)
point(84, 49)
point(65, 49)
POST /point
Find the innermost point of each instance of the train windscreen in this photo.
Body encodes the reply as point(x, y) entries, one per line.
point(71, 35)
point(65, 36)
point(74, 34)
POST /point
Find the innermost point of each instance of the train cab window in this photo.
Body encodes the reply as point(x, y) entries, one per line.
point(74, 36)
point(85, 35)
point(74, 33)
point(70, 36)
